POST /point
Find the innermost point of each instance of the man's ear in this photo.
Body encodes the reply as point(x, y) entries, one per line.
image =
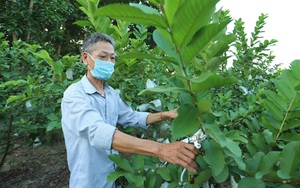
point(84, 57)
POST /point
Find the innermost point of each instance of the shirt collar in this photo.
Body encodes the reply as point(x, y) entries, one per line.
point(88, 86)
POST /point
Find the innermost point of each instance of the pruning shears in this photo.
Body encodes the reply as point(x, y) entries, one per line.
point(196, 139)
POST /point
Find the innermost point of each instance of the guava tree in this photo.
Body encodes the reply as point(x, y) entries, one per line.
point(192, 36)
point(193, 43)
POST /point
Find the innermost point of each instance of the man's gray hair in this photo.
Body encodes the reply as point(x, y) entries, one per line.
point(88, 43)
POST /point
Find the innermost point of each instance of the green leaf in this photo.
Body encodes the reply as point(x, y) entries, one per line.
point(284, 89)
point(291, 124)
point(289, 160)
point(113, 176)
point(186, 123)
point(57, 67)
point(251, 148)
point(173, 185)
point(238, 159)
point(290, 137)
point(210, 80)
point(269, 137)
point(288, 77)
point(14, 83)
point(271, 124)
point(293, 114)
point(137, 161)
point(103, 25)
point(252, 164)
point(22, 120)
point(286, 186)
point(52, 117)
point(218, 48)
point(213, 131)
point(203, 176)
point(260, 143)
point(89, 14)
point(15, 98)
point(45, 55)
point(121, 162)
point(203, 37)
point(133, 13)
point(203, 106)
point(190, 186)
point(57, 87)
point(5, 74)
point(295, 68)
point(171, 7)
point(295, 104)
point(234, 135)
point(232, 146)
point(157, 3)
point(161, 90)
point(214, 156)
point(194, 15)
point(53, 125)
point(267, 163)
point(223, 176)
point(174, 171)
point(137, 180)
point(165, 174)
point(150, 179)
point(179, 82)
point(83, 23)
point(274, 110)
point(151, 162)
point(276, 100)
point(163, 39)
point(250, 182)
point(153, 179)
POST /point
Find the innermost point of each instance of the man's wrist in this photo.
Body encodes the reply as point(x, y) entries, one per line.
point(161, 116)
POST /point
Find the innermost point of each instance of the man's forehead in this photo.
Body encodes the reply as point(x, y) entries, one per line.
point(104, 51)
point(103, 46)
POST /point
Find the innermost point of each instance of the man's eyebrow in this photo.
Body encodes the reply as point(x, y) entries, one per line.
point(105, 52)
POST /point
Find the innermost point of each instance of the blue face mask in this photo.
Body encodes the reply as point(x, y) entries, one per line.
point(102, 69)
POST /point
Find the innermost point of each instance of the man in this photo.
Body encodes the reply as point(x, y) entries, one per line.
point(91, 109)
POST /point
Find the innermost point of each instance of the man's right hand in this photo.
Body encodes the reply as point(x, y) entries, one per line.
point(176, 152)
point(180, 153)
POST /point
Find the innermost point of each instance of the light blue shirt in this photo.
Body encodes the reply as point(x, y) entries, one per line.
point(89, 122)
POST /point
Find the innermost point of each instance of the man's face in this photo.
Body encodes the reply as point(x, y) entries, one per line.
point(102, 50)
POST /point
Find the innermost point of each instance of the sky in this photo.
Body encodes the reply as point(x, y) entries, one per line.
point(282, 24)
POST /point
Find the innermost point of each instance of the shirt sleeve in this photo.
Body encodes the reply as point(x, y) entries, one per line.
point(128, 117)
point(81, 119)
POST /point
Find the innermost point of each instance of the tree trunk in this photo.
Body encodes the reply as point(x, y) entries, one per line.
point(31, 3)
point(58, 48)
point(14, 36)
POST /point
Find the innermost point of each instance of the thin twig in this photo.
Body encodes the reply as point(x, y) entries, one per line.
point(7, 142)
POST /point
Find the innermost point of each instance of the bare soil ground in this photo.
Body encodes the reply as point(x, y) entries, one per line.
point(42, 167)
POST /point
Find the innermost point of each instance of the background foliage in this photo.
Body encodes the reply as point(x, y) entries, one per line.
point(249, 110)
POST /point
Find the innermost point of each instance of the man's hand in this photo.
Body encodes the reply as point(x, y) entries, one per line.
point(172, 114)
point(176, 152)
point(180, 153)
point(160, 116)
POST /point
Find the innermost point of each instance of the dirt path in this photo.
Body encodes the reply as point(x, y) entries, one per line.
point(45, 166)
